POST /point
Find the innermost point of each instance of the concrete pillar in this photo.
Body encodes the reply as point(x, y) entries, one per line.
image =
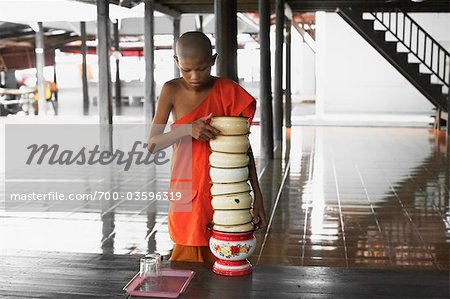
point(55, 77)
point(176, 35)
point(84, 69)
point(54, 99)
point(118, 89)
point(104, 76)
point(199, 23)
point(278, 80)
point(149, 55)
point(265, 88)
point(288, 93)
point(226, 38)
point(40, 63)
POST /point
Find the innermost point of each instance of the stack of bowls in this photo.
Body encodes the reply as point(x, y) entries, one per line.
point(232, 241)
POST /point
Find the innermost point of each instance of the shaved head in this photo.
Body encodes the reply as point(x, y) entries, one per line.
point(194, 44)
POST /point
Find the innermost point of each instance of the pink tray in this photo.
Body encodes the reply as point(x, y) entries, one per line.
point(171, 285)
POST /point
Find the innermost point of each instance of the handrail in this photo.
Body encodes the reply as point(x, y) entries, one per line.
point(305, 36)
point(439, 68)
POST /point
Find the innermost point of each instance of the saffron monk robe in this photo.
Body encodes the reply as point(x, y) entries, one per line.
point(193, 99)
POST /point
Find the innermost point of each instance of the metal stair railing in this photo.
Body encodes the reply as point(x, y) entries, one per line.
point(417, 41)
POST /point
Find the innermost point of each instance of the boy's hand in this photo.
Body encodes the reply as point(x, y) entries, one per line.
point(259, 215)
point(203, 131)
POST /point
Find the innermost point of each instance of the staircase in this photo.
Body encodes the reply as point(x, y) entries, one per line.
point(422, 61)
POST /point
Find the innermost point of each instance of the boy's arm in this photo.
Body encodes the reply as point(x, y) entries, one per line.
point(157, 140)
point(259, 215)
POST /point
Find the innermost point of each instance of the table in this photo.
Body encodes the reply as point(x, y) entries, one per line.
point(38, 274)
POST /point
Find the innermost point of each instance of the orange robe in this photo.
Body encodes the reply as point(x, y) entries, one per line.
point(226, 98)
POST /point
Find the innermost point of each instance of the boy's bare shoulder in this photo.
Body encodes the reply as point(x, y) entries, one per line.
point(173, 85)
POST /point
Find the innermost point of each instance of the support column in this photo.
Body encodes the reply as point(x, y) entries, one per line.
point(199, 23)
point(149, 99)
point(40, 63)
point(84, 69)
point(278, 80)
point(176, 35)
point(265, 88)
point(118, 90)
point(288, 92)
point(54, 85)
point(226, 38)
point(104, 76)
point(55, 77)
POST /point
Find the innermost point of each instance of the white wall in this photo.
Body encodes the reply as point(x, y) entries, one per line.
point(352, 77)
point(436, 24)
point(303, 68)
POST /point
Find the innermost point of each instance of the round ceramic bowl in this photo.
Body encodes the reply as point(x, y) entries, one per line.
point(232, 217)
point(231, 125)
point(237, 201)
point(228, 175)
point(225, 160)
point(243, 228)
point(222, 189)
point(230, 144)
point(232, 268)
point(232, 247)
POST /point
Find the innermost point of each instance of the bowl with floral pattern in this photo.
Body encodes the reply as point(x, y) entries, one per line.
point(232, 246)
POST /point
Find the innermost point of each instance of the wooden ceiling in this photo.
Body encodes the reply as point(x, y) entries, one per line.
point(207, 6)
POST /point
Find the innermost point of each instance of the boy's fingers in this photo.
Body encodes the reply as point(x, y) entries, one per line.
point(208, 134)
point(212, 129)
point(204, 118)
point(216, 131)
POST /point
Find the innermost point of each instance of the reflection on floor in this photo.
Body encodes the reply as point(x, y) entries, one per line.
point(360, 197)
point(336, 197)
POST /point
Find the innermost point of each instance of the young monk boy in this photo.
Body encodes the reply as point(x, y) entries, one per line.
point(193, 99)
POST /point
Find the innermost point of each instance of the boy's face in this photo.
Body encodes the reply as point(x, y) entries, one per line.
point(196, 71)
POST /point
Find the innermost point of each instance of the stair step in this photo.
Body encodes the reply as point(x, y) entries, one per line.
point(402, 56)
point(436, 87)
point(402, 48)
point(368, 16)
point(367, 25)
point(380, 34)
point(392, 47)
point(392, 43)
point(414, 66)
point(391, 37)
point(437, 84)
point(425, 77)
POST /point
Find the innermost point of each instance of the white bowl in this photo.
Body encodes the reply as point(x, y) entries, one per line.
point(230, 144)
point(232, 217)
point(225, 160)
point(247, 227)
point(237, 201)
point(231, 125)
point(222, 189)
point(228, 175)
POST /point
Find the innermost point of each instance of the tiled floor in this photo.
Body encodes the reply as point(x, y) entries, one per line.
point(362, 197)
point(351, 197)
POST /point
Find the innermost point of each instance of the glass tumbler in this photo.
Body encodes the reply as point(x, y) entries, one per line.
point(157, 257)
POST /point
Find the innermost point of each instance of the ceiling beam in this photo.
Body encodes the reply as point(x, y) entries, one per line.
point(167, 11)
